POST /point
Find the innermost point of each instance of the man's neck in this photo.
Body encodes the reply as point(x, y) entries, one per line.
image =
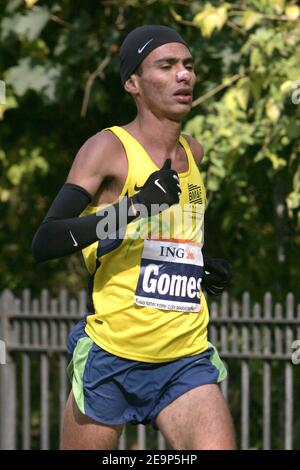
point(158, 134)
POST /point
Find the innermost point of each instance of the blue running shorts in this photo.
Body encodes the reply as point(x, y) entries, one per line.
point(113, 390)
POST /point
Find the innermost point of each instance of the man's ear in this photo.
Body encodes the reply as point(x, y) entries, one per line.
point(131, 85)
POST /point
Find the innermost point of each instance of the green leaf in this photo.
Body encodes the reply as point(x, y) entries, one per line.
point(27, 76)
point(4, 195)
point(211, 18)
point(286, 87)
point(272, 110)
point(213, 184)
point(276, 161)
point(30, 3)
point(27, 26)
point(250, 18)
point(255, 57)
point(14, 174)
point(10, 103)
point(243, 92)
point(292, 12)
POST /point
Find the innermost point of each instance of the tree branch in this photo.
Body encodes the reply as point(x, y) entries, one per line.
point(97, 73)
point(61, 22)
point(218, 88)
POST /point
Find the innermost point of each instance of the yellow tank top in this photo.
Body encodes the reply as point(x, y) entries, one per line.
point(147, 303)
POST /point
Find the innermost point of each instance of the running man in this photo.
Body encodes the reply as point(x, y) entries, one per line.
point(133, 202)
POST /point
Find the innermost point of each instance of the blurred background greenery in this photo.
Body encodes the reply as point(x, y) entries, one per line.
point(60, 65)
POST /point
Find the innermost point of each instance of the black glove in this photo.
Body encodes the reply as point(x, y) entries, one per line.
point(217, 274)
point(162, 187)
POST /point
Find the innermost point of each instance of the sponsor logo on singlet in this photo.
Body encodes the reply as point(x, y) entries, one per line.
point(195, 196)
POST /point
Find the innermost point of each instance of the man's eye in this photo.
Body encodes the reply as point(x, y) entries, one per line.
point(166, 66)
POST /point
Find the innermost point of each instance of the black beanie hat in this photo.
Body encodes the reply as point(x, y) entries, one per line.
point(140, 42)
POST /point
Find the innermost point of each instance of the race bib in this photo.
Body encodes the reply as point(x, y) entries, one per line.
point(170, 276)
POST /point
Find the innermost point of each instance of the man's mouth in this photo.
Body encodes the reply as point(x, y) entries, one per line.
point(183, 95)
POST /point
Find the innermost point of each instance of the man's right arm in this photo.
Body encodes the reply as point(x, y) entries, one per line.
point(63, 232)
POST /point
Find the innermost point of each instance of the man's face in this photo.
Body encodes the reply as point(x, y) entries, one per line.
point(167, 81)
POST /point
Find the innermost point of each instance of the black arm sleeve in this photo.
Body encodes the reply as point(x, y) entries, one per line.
point(62, 232)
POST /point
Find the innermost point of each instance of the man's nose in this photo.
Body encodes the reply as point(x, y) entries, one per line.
point(183, 75)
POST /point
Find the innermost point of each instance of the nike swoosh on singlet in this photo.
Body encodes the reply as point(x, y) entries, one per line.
point(160, 186)
point(140, 49)
point(75, 242)
point(137, 188)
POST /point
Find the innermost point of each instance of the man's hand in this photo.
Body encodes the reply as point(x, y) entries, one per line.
point(162, 187)
point(217, 274)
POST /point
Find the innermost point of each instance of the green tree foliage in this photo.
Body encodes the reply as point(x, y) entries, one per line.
point(59, 62)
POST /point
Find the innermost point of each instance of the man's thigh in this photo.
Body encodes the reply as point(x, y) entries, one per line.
point(198, 419)
point(81, 432)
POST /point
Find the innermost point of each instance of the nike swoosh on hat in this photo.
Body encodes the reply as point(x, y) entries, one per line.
point(140, 49)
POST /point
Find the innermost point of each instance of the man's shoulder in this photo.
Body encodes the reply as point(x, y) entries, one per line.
point(100, 148)
point(103, 140)
point(93, 161)
point(196, 148)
